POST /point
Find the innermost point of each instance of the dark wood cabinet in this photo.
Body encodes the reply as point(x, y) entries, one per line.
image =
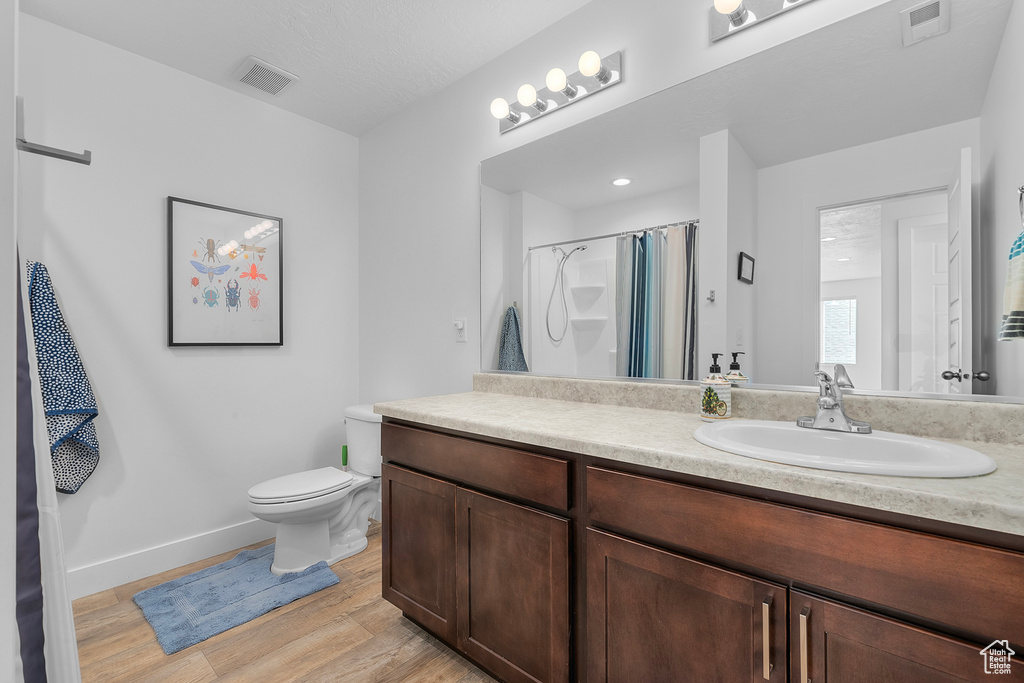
point(418, 565)
point(834, 643)
point(488, 575)
point(512, 597)
point(655, 616)
point(543, 568)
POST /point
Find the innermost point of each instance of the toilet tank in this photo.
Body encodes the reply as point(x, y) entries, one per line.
point(363, 428)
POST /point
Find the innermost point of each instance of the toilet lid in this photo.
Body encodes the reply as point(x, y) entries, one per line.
point(300, 486)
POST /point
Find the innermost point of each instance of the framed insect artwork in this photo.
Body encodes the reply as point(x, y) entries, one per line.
point(224, 276)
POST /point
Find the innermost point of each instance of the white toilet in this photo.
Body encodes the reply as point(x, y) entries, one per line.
point(323, 514)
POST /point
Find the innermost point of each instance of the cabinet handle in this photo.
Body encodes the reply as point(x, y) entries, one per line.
point(766, 638)
point(804, 614)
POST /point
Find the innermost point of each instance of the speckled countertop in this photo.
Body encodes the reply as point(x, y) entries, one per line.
point(664, 439)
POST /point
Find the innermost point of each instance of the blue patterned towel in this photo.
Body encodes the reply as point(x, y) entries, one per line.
point(510, 347)
point(68, 400)
point(1013, 294)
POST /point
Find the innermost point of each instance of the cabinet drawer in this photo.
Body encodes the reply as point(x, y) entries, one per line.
point(527, 476)
point(968, 586)
point(833, 642)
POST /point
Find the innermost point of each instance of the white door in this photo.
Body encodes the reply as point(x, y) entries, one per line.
point(960, 232)
point(923, 303)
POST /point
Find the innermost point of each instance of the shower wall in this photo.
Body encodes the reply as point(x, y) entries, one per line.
point(588, 347)
point(514, 222)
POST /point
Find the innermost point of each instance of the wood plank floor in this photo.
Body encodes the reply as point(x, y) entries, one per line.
point(343, 633)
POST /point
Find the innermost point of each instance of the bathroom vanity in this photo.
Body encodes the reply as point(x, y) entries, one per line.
point(557, 540)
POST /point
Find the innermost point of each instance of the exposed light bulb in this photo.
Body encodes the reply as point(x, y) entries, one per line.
point(556, 80)
point(590, 63)
point(527, 95)
point(499, 108)
point(735, 10)
point(620, 182)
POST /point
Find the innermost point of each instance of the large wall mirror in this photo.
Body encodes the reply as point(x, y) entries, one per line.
point(870, 184)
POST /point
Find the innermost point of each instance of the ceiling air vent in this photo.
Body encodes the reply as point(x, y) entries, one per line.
point(924, 21)
point(266, 77)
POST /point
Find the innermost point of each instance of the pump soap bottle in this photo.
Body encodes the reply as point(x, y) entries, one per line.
point(735, 376)
point(715, 394)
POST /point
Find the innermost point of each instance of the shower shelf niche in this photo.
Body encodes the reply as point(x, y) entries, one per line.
point(587, 324)
point(586, 296)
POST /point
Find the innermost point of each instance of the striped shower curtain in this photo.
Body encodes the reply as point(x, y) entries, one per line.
point(656, 303)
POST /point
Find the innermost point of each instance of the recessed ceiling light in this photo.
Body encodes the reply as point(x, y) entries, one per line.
point(828, 239)
point(619, 182)
point(842, 259)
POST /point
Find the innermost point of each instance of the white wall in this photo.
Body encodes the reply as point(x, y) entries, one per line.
point(658, 208)
point(184, 432)
point(8, 341)
point(1002, 139)
point(789, 197)
point(741, 331)
point(497, 248)
point(713, 250)
point(419, 174)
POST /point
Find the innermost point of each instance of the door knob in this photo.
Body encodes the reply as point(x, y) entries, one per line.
point(981, 376)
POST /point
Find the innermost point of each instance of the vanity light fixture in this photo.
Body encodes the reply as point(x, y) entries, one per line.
point(729, 16)
point(621, 182)
point(595, 74)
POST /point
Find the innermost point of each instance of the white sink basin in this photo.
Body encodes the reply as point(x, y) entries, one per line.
point(875, 453)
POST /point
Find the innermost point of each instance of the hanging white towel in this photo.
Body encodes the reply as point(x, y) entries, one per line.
point(1013, 294)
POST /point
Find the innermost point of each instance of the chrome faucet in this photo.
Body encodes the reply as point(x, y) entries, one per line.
point(831, 414)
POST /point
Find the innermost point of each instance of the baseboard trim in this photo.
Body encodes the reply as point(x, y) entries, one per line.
point(107, 574)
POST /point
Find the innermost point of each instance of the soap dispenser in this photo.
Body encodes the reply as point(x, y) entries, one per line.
point(715, 393)
point(735, 376)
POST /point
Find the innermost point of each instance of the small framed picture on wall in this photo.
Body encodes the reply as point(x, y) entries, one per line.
point(224, 276)
point(746, 268)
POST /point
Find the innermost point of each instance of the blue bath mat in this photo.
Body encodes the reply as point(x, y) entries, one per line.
point(191, 609)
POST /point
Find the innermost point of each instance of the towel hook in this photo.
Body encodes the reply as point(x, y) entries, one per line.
point(1020, 202)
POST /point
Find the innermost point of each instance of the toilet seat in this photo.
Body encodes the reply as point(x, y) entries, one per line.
point(300, 486)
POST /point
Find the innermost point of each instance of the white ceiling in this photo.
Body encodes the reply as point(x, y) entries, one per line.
point(360, 61)
point(847, 84)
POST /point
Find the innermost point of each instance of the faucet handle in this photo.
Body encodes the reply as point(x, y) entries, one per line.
point(842, 377)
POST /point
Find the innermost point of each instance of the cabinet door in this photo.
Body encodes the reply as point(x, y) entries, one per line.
point(653, 616)
point(513, 588)
point(418, 566)
point(833, 643)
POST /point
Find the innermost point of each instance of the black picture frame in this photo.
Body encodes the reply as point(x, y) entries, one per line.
point(746, 268)
point(225, 276)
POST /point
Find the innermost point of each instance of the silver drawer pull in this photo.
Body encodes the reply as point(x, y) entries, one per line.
point(766, 637)
point(804, 614)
